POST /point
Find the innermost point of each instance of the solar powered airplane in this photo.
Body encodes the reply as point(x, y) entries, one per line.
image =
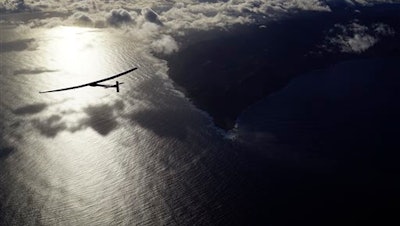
point(96, 83)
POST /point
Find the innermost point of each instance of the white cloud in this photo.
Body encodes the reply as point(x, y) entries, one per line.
point(383, 29)
point(359, 43)
point(166, 44)
point(356, 38)
point(80, 18)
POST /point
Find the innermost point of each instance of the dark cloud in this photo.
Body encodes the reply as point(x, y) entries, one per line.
point(30, 109)
point(118, 17)
point(6, 151)
point(151, 16)
point(18, 45)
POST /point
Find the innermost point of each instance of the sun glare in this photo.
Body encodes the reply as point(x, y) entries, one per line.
point(79, 56)
point(76, 56)
point(76, 50)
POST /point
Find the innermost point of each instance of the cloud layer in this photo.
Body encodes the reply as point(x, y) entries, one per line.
point(156, 23)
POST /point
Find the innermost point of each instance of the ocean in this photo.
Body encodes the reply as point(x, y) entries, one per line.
point(94, 156)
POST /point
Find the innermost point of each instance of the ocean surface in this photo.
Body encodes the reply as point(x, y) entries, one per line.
point(97, 157)
point(323, 150)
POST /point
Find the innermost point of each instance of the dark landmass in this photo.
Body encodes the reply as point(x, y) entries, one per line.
point(225, 72)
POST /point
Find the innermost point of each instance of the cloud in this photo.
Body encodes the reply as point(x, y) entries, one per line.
point(185, 14)
point(82, 6)
point(383, 29)
point(151, 16)
point(358, 43)
point(356, 38)
point(81, 19)
point(118, 17)
point(157, 23)
point(166, 45)
point(30, 109)
point(13, 6)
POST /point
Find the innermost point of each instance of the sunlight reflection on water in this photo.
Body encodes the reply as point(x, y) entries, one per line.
point(80, 55)
point(93, 156)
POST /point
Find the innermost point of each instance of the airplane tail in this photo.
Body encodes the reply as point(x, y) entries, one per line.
point(117, 85)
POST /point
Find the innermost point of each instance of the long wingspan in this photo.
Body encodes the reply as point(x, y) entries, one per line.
point(91, 83)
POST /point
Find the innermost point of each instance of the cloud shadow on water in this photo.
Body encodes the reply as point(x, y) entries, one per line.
point(18, 45)
point(51, 126)
point(101, 118)
point(30, 109)
point(33, 71)
point(174, 123)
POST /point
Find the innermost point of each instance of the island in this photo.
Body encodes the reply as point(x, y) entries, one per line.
point(224, 72)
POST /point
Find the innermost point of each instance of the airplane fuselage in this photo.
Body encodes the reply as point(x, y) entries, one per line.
point(108, 86)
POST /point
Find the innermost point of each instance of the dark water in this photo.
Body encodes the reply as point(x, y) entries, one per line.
point(332, 145)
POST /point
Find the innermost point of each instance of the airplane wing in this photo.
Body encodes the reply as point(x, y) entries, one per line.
point(91, 83)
